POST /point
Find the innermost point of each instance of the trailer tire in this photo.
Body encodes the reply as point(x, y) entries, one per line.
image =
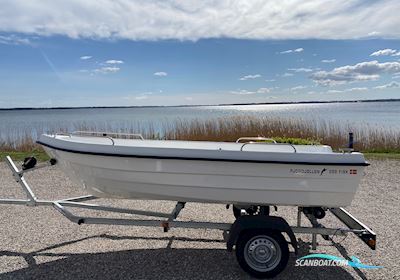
point(237, 212)
point(262, 253)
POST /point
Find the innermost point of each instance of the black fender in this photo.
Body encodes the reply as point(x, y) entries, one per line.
point(247, 222)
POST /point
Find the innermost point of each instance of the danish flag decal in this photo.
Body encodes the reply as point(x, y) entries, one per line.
point(353, 171)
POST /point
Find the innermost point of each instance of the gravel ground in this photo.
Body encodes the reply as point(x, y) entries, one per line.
point(39, 243)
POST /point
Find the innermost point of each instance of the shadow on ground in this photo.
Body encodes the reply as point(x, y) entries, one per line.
point(163, 263)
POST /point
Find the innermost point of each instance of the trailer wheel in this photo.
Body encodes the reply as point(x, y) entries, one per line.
point(262, 253)
point(236, 211)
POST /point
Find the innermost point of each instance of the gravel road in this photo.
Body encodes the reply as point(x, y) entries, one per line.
point(39, 243)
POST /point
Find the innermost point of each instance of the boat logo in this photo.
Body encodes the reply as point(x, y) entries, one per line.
point(330, 260)
point(304, 171)
point(322, 171)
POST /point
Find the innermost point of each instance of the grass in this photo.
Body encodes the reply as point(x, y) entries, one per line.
point(373, 141)
point(382, 155)
point(40, 155)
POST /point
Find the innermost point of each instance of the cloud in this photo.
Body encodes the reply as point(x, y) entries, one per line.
point(193, 20)
point(384, 52)
point(113, 61)
point(248, 92)
point(141, 97)
point(160, 74)
point(334, 91)
point(250, 77)
point(390, 85)
point(364, 71)
point(263, 90)
point(292, 51)
point(328, 60)
point(348, 90)
point(242, 92)
point(373, 34)
point(107, 70)
point(85, 57)
point(298, 88)
point(270, 80)
point(144, 95)
point(14, 40)
point(298, 70)
point(287, 75)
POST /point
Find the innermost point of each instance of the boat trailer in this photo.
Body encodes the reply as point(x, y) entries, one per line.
point(261, 249)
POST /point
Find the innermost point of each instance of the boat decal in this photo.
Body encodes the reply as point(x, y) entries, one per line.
point(353, 171)
point(323, 171)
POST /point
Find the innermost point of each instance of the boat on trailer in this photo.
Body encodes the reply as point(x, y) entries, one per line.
point(248, 175)
point(245, 172)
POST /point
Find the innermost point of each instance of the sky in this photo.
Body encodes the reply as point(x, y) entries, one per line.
point(135, 53)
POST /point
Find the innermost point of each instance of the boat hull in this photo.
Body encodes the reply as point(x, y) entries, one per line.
point(227, 182)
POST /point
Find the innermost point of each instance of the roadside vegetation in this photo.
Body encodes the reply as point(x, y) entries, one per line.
point(374, 142)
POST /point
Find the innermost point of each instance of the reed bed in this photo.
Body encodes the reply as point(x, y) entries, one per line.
point(367, 138)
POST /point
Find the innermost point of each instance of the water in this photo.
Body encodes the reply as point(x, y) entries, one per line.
point(382, 115)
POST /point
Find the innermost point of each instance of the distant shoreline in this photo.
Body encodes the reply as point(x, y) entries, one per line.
point(179, 106)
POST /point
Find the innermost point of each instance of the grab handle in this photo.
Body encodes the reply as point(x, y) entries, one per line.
point(255, 139)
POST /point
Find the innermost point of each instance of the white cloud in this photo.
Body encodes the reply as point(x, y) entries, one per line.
point(358, 89)
point(373, 34)
point(85, 57)
point(263, 90)
point(113, 61)
point(249, 92)
point(160, 74)
point(250, 77)
point(390, 85)
point(383, 52)
point(107, 70)
point(141, 97)
point(328, 60)
point(299, 70)
point(14, 40)
point(298, 88)
point(287, 75)
point(348, 90)
point(292, 51)
point(334, 91)
point(192, 20)
point(270, 80)
point(242, 92)
point(364, 71)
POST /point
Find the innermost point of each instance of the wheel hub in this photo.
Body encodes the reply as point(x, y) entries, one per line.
point(262, 253)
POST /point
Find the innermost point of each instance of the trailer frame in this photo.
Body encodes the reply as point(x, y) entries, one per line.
point(231, 232)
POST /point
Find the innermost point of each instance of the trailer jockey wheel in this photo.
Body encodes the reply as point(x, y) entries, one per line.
point(262, 253)
point(29, 162)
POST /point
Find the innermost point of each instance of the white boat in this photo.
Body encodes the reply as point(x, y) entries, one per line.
point(197, 171)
